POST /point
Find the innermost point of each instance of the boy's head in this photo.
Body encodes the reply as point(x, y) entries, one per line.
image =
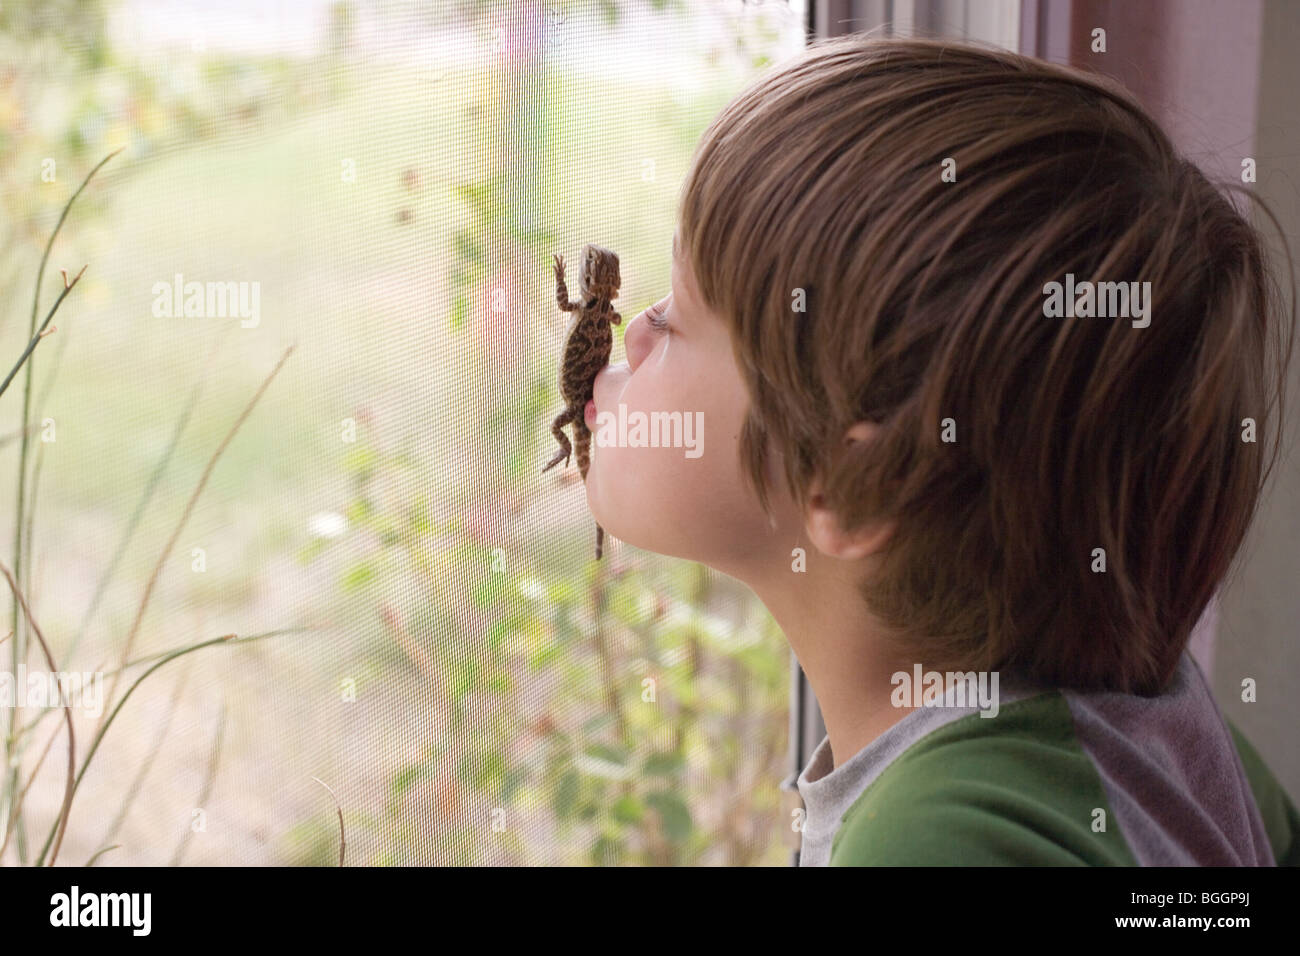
point(858, 307)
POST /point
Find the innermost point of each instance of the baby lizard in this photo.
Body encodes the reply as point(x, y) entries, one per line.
point(586, 351)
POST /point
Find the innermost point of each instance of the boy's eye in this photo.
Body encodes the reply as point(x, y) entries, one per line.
point(655, 317)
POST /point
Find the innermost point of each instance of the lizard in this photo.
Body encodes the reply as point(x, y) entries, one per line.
point(587, 345)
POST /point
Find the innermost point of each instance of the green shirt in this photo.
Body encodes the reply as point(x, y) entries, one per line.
point(1056, 778)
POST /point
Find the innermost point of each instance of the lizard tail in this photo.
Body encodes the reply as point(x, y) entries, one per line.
point(582, 446)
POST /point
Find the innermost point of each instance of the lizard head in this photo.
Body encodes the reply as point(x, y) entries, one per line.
point(599, 275)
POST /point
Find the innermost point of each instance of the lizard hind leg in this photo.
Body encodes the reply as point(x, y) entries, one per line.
point(557, 429)
point(582, 446)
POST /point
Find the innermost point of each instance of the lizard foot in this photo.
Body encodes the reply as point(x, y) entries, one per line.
point(558, 455)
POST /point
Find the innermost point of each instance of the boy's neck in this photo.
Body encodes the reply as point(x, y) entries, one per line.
point(836, 642)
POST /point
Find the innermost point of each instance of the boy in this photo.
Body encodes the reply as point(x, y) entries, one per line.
point(930, 450)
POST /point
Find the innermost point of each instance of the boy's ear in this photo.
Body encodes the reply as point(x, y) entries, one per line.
point(823, 525)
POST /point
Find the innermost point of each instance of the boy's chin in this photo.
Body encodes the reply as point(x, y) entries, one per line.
point(667, 540)
point(670, 535)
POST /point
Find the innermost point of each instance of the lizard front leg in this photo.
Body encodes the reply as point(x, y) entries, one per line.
point(561, 290)
point(557, 429)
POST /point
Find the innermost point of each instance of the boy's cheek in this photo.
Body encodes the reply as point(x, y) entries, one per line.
point(662, 500)
point(626, 499)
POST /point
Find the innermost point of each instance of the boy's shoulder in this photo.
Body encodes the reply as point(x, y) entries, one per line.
point(1279, 814)
point(1025, 788)
point(1014, 789)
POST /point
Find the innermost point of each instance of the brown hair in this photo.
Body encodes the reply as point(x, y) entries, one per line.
point(924, 301)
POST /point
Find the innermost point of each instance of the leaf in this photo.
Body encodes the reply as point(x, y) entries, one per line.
point(594, 724)
point(603, 762)
point(628, 809)
point(465, 677)
point(498, 631)
point(606, 852)
point(564, 800)
point(404, 780)
point(561, 592)
point(417, 516)
point(311, 550)
point(359, 575)
point(514, 780)
point(543, 656)
point(361, 460)
point(490, 769)
point(459, 313)
point(487, 591)
point(673, 812)
point(606, 752)
point(358, 511)
point(664, 764)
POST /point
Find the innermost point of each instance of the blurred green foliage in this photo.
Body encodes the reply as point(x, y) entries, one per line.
point(535, 658)
point(644, 681)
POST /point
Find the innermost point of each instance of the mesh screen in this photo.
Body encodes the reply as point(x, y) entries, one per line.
point(421, 634)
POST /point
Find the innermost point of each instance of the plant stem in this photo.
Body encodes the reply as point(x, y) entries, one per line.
point(18, 651)
point(145, 497)
point(134, 790)
point(36, 339)
point(22, 795)
point(99, 736)
point(189, 507)
point(100, 852)
point(32, 724)
point(207, 785)
point(62, 822)
point(343, 836)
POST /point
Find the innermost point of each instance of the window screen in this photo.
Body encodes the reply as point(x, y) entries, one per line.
point(300, 399)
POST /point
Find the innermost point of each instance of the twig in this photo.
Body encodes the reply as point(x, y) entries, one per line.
point(134, 521)
point(37, 336)
point(99, 736)
point(17, 433)
point(56, 363)
point(100, 852)
point(29, 534)
point(62, 822)
point(31, 725)
point(19, 648)
point(343, 837)
point(207, 785)
point(31, 520)
point(22, 795)
point(40, 273)
point(414, 653)
point(189, 507)
point(134, 790)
